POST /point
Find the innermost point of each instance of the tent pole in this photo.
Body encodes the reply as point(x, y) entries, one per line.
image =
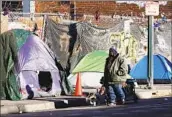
point(150, 50)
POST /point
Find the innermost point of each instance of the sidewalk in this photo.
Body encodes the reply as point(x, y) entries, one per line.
point(49, 103)
point(160, 90)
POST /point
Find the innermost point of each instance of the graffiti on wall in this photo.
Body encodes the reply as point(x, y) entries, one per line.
point(126, 45)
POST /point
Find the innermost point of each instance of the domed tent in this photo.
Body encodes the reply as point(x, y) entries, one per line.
point(92, 62)
point(38, 73)
point(162, 68)
point(91, 68)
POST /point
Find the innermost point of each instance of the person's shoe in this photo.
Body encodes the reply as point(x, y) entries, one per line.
point(112, 104)
point(123, 101)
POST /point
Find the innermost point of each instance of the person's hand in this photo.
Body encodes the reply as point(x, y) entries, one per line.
point(102, 80)
point(124, 84)
point(102, 90)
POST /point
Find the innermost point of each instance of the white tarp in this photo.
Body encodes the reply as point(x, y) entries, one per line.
point(88, 79)
point(17, 25)
point(35, 56)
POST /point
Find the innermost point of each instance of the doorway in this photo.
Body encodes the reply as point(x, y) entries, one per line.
point(45, 80)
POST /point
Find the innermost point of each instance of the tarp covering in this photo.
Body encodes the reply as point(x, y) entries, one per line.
point(163, 40)
point(8, 58)
point(92, 38)
point(136, 31)
point(20, 36)
point(72, 41)
point(162, 68)
point(82, 38)
point(60, 38)
point(92, 62)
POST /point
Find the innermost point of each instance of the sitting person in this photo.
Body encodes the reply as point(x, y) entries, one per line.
point(101, 96)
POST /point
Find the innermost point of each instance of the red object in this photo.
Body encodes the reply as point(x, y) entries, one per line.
point(97, 16)
point(78, 87)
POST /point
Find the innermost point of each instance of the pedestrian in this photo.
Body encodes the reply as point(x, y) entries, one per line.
point(115, 75)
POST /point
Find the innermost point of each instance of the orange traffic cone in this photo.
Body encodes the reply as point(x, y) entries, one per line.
point(78, 87)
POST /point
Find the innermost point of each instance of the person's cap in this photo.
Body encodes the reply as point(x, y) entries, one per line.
point(113, 49)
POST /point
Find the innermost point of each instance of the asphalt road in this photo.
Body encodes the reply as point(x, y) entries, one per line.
point(161, 107)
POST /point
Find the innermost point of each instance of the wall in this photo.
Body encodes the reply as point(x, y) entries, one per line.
point(104, 7)
point(51, 7)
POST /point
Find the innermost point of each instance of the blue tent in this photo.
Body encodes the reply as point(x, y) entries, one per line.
point(162, 69)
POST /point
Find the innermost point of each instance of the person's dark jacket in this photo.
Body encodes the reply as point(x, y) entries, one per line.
point(117, 73)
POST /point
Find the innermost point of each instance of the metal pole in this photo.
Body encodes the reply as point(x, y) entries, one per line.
point(0, 14)
point(150, 50)
point(75, 10)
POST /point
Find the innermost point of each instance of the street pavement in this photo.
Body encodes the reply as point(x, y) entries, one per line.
point(157, 107)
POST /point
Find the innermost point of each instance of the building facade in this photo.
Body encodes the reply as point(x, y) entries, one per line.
point(103, 7)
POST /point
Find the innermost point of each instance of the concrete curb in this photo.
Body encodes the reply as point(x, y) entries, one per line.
point(9, 109)
point(67, 102)
point(36, 107)
point(70, 103)
point(144, 94)
point(24, 108)
point(41, 104)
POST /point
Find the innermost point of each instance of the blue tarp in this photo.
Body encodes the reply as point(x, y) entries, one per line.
point(162, 68)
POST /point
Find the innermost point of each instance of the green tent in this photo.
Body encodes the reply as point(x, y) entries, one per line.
point(10, 42)
point(92, 62)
